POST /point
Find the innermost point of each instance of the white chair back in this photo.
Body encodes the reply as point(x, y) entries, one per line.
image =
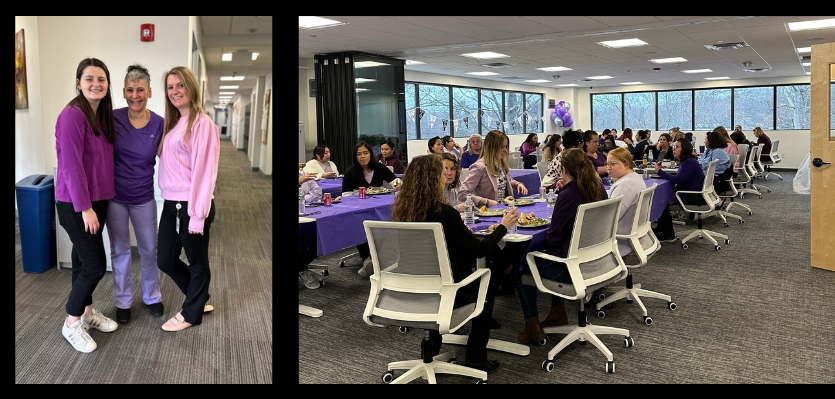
point(515, 159)
point(464, 173)
point(542, 168)
point(641, 238)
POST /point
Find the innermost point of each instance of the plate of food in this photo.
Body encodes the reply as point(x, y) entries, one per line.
point(518, 201)
point(483, 211)
point(376, 191)
point(486, 231)
point(530, 221)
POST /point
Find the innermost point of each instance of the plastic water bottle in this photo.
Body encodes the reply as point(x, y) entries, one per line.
point(469, 212)
point(649, 156)
point(551, 199)
point(301, 202)
point(510, 207)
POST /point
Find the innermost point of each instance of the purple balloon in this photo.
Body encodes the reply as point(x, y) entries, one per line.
point(566, 120)
point(559, 110)
point(553, 116)
point(561, 103)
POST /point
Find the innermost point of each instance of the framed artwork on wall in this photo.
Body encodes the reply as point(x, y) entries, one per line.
point(265, 117)
point(21, 96)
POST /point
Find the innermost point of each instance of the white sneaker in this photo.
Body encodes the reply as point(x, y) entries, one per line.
point(78, 336)
point(309, 279)
point(367, 268)
point(99, 322)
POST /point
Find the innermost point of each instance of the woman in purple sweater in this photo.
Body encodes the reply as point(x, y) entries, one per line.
point(690, 177)
point(188, 161)
point(138, 132)
point(84, 183)
point(528, 151)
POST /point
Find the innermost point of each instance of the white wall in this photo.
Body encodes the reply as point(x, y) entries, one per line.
point(266, 164)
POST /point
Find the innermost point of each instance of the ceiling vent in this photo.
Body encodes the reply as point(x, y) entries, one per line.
point(496, 65)
point(720, 46)
point(757, 69)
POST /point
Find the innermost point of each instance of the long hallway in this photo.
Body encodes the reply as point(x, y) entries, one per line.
point(233, 345)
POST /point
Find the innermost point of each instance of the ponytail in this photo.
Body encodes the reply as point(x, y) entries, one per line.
point(580, 167)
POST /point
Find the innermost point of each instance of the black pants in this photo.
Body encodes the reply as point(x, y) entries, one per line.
point(89, 261)
point(665, 221)
point(192, 279)
point(529, 161)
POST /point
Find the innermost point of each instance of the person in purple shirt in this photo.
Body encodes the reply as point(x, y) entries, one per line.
point(528, 151)
point(581, 186)
point(690, 177)
point(84, 135)
point(138, 132)
point(471, 151)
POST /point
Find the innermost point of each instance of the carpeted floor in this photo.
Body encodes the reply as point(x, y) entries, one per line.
point(234, 343)
point(755, 312)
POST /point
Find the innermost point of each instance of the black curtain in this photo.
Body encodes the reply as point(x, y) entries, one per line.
point(336, 106)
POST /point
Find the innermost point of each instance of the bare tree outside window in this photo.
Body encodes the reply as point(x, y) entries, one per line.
point(639, 110)
point(514, 106)
point(491, 104)
point(675, 109)
point(606, 111)
point(465, 105)
point(713, 108)
point(754, 107)
point(411, 126)
point(434, 101)
point(794, 107)
point(533, 106)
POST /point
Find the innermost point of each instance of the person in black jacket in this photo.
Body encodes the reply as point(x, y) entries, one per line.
point(641, 146)
point(424, 201)
point(363, 169)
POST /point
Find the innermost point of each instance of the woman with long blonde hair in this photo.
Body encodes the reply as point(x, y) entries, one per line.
point(489, 180)
point(188, 160)
point(731, 148)
point(763, 139)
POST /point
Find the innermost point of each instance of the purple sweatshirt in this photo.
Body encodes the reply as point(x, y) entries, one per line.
point(134, 156)
point(85, 161)
point(690, 177)
point(188, 171)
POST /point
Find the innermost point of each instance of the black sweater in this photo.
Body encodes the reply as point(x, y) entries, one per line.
point(355, 178)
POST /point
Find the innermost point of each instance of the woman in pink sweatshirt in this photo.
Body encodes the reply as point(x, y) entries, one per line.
point(188, 157)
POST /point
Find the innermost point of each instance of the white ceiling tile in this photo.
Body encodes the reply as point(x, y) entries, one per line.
point(569, 23)
point(625, 21)
point(478, 31)
point(430, 21)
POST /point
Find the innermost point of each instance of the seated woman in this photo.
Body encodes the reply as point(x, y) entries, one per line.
point(570, 139)
point(608, 144)
point(472, 152)
point(452, 180)
point(528, 151)
point(552, 147)
point(365, 173)
point(661, 151)
point(424, 180)
point(450, 146)
point(715, 149)
point(628, 184)
point(731, 147)
point(690, 177)
point(739, 138)
point(626, 139)
point(389, 157)
point(598, 159)
point(489, 180)
point(762, 138)
point(582, 186)
point(641, 146)
point(321, 163)
point(436, 145)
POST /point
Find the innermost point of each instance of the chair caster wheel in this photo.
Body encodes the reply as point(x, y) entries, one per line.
point(684, 246)
point(610, 367)
point(542, 341)
point(761, 196)
point(342, 264)
point(388, 377)
point(727, 241)
point(628, 342)
point(678, 238)
point(548, 366)
point(582, 343)
point(630, 300)
point(403, 329)
point(750, 213)
point(481, 382)
point(452, 361)
point(718, 247)
point(648, 320)
point(601, 314)
point(727, 225)
point(601, 297)
point(741, 221)
point(671, 305)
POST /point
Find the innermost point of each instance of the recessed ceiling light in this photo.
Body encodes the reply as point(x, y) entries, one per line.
point(538, 81)
point(807, 25)
point(668, 60)
point(228, 56)
point(317, 22)
point(623, 43)
point(553, 69)
point(228, 87)
point(809, 73)
point(361, 89)
point(485, 55)
point(410, 62)
point(231, 78)
point(697, 71)
point(568, 85)
point(718, 78)
point(632, 83)
point(804, 49)
point(363, 80)
point(599, 77)
point(365, 64)
point(226, 92)
point(806, 64)
point(482, 73)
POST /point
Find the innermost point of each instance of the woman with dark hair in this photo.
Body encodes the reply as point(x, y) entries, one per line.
point(528, 151)
point(570, 139)
point(690, 177)
point(608, 144)
point(582, 186)
point(389, 157)
point(424, 181)
point(84, 135)
point(436, 145)
point(731, 148)
point(450, 146)
point(715, 149)
point(642, 146)
point(598, 159)
point(452, 179)
point(552, 147)
point(365, 173)
point(661, 150)
point(321, 163)
point(739, 138)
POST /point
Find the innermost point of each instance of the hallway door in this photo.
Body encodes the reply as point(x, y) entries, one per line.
point(823, 149)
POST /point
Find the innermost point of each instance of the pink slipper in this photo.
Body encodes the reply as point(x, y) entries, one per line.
point(208, 308)
point(176, 323)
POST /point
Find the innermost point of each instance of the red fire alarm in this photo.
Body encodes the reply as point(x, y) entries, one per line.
point(146, 32)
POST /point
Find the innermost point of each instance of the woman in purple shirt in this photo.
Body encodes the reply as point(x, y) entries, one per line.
point(528, 151)
point(138, 132)
point(84, 145)
point(690, 177)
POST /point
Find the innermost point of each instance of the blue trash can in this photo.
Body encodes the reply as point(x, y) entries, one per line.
point(36, 215)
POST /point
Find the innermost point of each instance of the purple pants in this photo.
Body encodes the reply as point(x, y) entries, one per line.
point(143, 217)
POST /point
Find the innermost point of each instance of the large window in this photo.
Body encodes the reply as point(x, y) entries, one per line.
point(468, 110)
point(675, 109)
point(754, 106)
point(639, 110)
point(606, 111)
point(713, 108)
point(794, 107)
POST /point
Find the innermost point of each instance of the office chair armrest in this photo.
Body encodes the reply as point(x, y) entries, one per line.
point(448, 292)
point(685, 207)
point(481, 263)
point(573, 271)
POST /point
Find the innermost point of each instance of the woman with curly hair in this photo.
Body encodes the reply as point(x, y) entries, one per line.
point(424, 182)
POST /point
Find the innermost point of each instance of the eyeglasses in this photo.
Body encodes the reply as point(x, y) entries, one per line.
point(612, 164)
point(674, 146)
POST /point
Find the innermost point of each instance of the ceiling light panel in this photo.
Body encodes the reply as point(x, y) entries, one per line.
point(482, 73)
point(668, 60)
point(809, 25)
point(623, 43)
point(317, 22)
point(485, 55)
point(554, 69)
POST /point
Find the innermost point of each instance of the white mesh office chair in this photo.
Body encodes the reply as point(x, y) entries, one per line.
point(759, 170)
point(771, 159)
point(644, 246)
point(747, 181)
point(728, 195)
point(542, 168)
point(593, 262)
point(740, 179)
point(711, 202)
point(515, 159)
point(412, 286)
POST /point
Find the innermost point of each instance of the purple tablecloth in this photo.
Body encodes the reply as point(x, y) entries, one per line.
point(528, 177)
point(333, 186)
